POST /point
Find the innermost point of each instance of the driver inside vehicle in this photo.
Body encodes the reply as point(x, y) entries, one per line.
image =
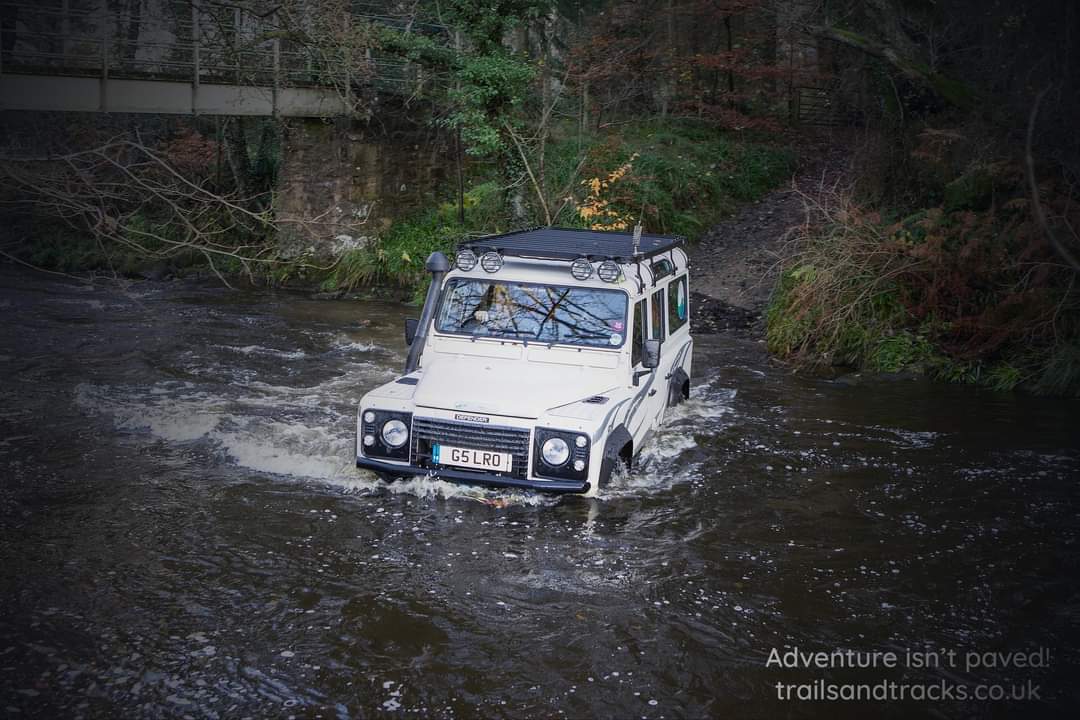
point(496, 308)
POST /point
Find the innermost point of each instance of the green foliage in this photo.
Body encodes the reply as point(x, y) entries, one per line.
point(56, 246)
point(820, 313)
point(1060, 375)
point(64, 251)
point(788, 329)
point(893, 353)
point(488, 88)
point(395, 261)
point(484, 81)
point(486, 22)
point(685, 177)
point(484, 209)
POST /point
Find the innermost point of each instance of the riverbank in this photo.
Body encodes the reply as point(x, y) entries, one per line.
point(736, 263)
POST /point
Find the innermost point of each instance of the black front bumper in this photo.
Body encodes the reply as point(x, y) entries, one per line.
point(473, 478)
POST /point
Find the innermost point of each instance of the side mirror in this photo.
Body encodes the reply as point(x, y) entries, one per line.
point(411, 325)
point(650, 354)
point(650, 359)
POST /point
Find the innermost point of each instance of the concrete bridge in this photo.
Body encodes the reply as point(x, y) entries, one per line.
point(240, 58)
point(188, 57)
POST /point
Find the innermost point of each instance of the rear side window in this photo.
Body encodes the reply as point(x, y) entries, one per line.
point(639, 333)
point(656, 326)
point(678, 304)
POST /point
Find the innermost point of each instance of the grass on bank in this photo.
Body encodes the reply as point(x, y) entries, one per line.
point(963, 294)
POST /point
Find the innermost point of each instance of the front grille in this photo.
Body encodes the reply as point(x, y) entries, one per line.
point(426, 431)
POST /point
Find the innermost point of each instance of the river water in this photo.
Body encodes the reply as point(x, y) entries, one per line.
point(184, 533)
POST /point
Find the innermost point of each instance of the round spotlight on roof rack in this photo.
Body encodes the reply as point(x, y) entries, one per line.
point(466, 260)
point(581, 269)
point(608, 271)
point(491, 261)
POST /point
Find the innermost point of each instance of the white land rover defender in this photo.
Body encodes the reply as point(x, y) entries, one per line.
point(541, 360)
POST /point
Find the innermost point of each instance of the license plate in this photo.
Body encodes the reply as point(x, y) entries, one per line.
point(467, 457)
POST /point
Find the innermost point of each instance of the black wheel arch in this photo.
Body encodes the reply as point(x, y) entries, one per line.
point(618, 448)
point(678, 387)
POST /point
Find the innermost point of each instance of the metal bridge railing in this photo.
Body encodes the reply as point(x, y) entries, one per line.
point(193, 42)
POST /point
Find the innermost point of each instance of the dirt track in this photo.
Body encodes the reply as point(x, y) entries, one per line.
point(735, 264)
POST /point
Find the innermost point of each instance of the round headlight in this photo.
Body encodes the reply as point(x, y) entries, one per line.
point(491, 261)
point(555, 451)
point(466, 260)
point(394, 433)
point(581, 269)
point(608, 271)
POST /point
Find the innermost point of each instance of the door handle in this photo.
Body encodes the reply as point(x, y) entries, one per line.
point(652, 392)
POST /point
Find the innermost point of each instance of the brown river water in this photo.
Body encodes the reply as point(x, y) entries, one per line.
point(183, 534)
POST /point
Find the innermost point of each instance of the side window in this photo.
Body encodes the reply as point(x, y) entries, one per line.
point(678, 304)
point(662, 268)
point(639, 333)
point(656, 325)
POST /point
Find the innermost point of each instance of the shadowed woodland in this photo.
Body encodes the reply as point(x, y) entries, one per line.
point(941, 237)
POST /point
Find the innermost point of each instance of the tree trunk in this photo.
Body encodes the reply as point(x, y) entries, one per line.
point(236, 151)
point(584, 128)
point(730, 72)
point(667, 88)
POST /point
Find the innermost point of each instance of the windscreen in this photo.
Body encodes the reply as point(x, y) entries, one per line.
point(543, 313)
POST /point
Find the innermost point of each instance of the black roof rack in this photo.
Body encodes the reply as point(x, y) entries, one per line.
point(555, 243)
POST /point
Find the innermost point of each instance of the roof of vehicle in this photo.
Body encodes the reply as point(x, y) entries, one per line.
point(555, 243)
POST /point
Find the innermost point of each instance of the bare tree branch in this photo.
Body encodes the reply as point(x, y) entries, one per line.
point(1036, 204)
point(129, 196)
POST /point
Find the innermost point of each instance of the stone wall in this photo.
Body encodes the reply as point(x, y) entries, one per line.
point(344, 182)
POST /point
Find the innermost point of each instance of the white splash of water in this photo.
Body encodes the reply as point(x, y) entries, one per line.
point(283, 449)
point(432, 487)
point(178, 414)
point(260, 350)
point(659, 464)
point(175, 420)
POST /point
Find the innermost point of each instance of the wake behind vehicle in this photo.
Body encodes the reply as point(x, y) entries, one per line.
point(542, 359)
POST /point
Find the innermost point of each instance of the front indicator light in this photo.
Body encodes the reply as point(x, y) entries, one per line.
point(369, 440)
point(369, 417)
point(555, 452)
point(580, 441)
point(394, 433)
point(579, 465)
